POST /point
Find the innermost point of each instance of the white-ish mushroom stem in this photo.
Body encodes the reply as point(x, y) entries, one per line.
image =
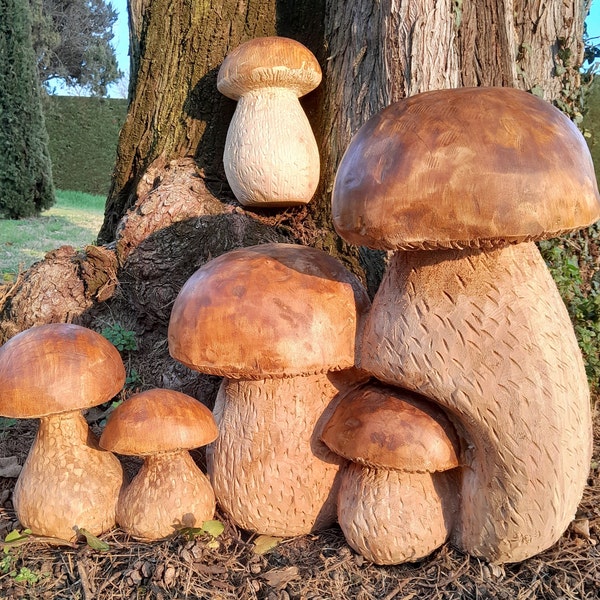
point(270, 471)
point(68, 480)
point(168, 493)
point(391, 516)
point(487, 336)
point(271, 156)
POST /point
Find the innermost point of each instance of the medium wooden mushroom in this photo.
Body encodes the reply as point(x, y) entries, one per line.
point(277, 321)
point(398, 498)
point(169, 491)
point(465, 180)
point(51, 373)
point(271, 156)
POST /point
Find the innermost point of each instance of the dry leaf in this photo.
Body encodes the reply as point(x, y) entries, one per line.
point(264, 543)
point(10, 467)
point(279, 578)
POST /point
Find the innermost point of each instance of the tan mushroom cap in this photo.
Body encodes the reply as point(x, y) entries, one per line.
point(269, 62)
point(392, 429)
point(469, 167)
point(57, 368)
point(156, 421)
point(273, 310)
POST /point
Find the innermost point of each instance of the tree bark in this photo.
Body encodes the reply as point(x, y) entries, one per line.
point(170, 208)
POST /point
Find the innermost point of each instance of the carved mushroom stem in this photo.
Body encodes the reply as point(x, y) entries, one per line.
point(392, 516)
point(487, 336)
point(169, 492)
point(268, 467)
point(67, 480)
point(279, 166)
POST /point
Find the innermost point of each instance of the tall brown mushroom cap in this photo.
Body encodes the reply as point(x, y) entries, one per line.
point(392, 429)
point(158, 420)
point(57, 368)
point(269, 62)
point(274, 310)
point(469, 167)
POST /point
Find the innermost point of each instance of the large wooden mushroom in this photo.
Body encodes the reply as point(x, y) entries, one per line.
point(398, 496)
point(277, 321)
point(51, 373)
point(271, 156)
point(170, 491)
point(464, 180)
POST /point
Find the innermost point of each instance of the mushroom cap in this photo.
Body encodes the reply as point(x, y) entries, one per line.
point(57, 368)
point(269, 62)
point(469, 167)
point(158, 420)
point(392, 429)
point(273, 310)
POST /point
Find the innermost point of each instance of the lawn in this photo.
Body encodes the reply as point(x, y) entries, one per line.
point(75, 220)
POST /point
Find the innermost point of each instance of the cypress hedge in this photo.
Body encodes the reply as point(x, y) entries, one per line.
point(26, 186)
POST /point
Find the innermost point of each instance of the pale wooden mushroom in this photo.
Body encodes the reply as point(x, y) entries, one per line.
point(469, 316)
point(51, 373)
point(275, 320)
point(170, 491)
point(398, 498)
point(271, 156)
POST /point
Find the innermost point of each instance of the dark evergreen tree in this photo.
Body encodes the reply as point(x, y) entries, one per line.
point(26, 186)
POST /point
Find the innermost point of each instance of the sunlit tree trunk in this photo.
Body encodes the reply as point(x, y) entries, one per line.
point(170, 208)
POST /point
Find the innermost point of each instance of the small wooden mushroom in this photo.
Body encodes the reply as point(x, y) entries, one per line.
point(51, 373)
point(465, 180)
point(170, 491)
point(271, 156)
point(277, 321)
point(398, 498)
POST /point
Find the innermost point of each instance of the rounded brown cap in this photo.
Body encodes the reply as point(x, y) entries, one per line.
point(158, 420)
point(57, 368)
point(393, 429)
point(269, 62)
point(274, 310)
point(470, 167)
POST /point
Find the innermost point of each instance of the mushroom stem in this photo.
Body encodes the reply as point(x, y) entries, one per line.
point(169, 492)
point(487, 336)
point(391, 516)
point(271, 157)
point(278, 478)
point(67, 480)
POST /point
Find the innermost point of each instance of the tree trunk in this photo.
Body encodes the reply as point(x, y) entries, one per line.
point(170, 208)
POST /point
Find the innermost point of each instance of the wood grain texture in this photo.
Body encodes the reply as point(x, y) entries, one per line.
point(271, 156)
point(487, 336)
point(269, 469)
point(67, 480)
point(168, 493)
point(392, 517)
point(472, 167)
point(57, 368)
point(273, 310)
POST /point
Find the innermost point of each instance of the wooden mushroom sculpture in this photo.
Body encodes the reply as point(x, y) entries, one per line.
point(170, 491)
point(276, 320)
point(398, 498)
point(271, 156)
point(51, 373)
point(464, 180)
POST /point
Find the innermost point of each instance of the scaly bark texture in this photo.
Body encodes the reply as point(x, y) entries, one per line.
point(67, 481)
point(487, 336)
point(269, 469)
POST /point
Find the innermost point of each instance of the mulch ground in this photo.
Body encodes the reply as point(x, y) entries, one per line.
point(319, 566)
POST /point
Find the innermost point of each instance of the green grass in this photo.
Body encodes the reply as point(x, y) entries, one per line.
point(74, 220)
